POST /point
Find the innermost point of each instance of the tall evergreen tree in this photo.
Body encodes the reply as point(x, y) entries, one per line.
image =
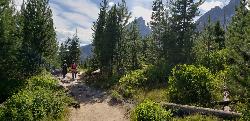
point(208, 42)
point(237, 42)
point(98, 36)
point(39, 45)
point(74, 50)
point(157, 28)
point(9, 40)
point(182, 30)
point(134, 46)
point(166, 41)
point(123, 17)
point(110, 39)
point(63, 52)
point(219, 35)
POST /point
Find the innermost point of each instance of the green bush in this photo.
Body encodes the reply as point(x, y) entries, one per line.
point(147, 77)
point(156, 74)
point(102, 81)
point(40, 100)
point(131, 81)
point(150, 111)
point(116, 96)
point(1, 112)
point(192, 85)
point(45, 81)
point(35, 105)
point(8, 87)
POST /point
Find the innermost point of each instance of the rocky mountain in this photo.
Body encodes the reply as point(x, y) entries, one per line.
point(86, 51)
point(144, 30)
point(224, 15)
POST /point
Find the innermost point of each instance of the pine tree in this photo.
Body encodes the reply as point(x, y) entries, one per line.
point(134, 46)
point(9, 40)
point(63, 53)
point(121, 54)
point(209, 41)
point(237, 42)
point(166, 40)
point(219, 34)
point(157, 28)
point(39, 45)
point(74, 50)
point(99, 28)
point(182, 30)
point(236, 30)
point(110, 39)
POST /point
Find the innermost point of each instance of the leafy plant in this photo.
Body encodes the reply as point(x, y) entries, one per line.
point(8, 87)
point(43, 80)
point(39, 100)
point(131, 81)
point(192, 85)
point(116, 96)
point(35, 105)
point(147, 77)
point(150, 111)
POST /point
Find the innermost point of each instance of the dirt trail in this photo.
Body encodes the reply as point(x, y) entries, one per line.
point(95, 105)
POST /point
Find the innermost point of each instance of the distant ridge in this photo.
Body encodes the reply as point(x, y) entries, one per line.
point(224, 15)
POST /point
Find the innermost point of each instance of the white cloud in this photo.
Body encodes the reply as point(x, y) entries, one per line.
point(111, 4)
point(139, 11)
point(18, 4)
point(70, 15)
point(208, 5)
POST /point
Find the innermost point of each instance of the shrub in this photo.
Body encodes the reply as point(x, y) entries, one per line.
point(115, 95)
point(40, 100)
point(150, 111)
point(1, 112)
point(156, 74)
point(45, 81)
point(8, 87)
point(147, 77)
point(244, 108)
point(102, 81)
point(192, 85)
point(130, 81)
point(35, 105)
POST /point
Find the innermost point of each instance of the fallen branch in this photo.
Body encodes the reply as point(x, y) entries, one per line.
point(205, 111)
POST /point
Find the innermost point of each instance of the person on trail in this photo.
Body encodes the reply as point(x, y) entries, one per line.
point(74, 70)
point(64, 69)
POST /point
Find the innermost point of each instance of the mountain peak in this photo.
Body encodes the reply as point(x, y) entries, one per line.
point(223, 15)
point(144, 30)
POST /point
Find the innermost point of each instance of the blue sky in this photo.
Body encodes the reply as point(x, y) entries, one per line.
point(71, 14)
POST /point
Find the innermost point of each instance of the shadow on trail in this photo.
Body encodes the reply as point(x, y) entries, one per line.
point(84, 94)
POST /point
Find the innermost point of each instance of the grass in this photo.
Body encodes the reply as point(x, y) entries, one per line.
point(156, 95)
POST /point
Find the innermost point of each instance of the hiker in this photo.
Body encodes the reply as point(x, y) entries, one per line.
point(74, 70)
point(64, 69)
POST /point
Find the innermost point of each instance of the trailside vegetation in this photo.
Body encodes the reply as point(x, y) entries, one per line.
point(204, 63)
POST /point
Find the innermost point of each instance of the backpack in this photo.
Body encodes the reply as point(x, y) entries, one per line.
point(73, 66)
